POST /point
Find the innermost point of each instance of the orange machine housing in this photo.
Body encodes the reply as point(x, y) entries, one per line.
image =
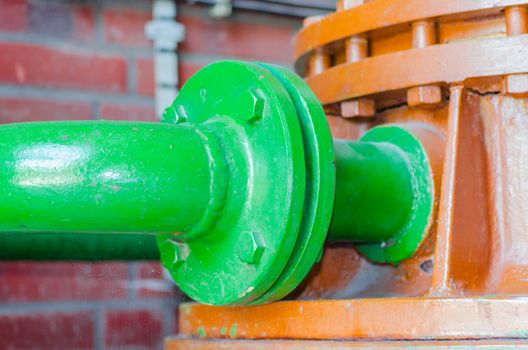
point(455, 73)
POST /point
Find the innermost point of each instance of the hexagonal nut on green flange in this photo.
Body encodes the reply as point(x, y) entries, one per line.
point(251, 247)
point(174, 115)
point(257, 106)
point(175, 257)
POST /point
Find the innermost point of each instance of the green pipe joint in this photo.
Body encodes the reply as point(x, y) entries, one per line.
point(241, 183)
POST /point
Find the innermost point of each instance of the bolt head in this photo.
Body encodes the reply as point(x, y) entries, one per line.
point(174, 257)
point(251, 247)
point(174, 115)
point(257, 103)
point(515, 85)
point(429, 96)
point(361, 107)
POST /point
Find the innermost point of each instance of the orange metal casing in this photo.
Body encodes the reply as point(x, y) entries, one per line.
point(469, 279)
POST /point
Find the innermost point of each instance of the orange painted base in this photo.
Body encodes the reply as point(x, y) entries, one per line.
point(209, 344)
point(369, 319)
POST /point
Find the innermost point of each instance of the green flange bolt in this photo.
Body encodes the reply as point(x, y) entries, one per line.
point(251, 247)
point(240, 185)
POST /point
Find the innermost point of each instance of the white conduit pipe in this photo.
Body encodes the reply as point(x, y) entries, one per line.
point(166, 33)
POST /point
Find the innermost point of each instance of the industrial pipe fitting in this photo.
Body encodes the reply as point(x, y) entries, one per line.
point(240, 183)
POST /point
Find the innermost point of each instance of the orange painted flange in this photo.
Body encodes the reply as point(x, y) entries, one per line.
point(438, 64)
point(412, 44)
point(382, 14)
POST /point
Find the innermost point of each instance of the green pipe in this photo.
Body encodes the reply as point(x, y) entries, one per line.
point(374, 195)
point(98, 177)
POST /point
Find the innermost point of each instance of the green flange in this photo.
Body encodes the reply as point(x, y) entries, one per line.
point(320, 184)
point(246, 251)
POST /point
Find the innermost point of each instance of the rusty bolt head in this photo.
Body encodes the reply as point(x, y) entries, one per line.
point(429, 96)
point(515, 85)
point(257, 106)
point(251, 247)
point(361, 107)
point(174, 258)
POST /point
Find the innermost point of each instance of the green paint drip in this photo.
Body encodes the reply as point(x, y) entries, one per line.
point(201, 332)
point(232, 332)
point(223, 331)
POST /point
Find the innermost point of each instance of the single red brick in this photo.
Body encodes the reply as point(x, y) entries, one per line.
point(32, 288)
point(57, 330)
point(13, 15)
point(127, 112)
point(133, 328)
point(125, 26)
point(21, 282)
point(26, 64)
point(20, 110)
point(145, 76)
point(237, 39)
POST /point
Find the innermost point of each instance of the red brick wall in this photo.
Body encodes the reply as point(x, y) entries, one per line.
point(89, 60)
